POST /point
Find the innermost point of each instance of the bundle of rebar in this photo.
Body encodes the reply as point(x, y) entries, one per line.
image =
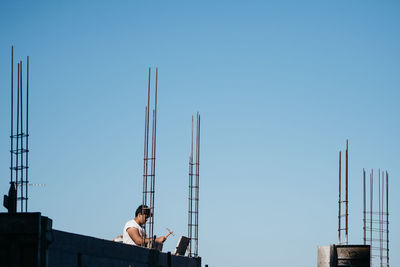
point(19, 138)
point(149, 162)
point(376, 223)
point(193, 214)
point(341, 202)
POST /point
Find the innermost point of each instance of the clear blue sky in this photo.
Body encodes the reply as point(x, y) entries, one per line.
point(280, 87)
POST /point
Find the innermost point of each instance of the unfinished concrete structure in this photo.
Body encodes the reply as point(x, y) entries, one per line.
point(28, 239)
point(343, 254)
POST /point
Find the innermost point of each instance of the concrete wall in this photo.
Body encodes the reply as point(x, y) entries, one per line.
point(76, 250)
point(344, 256)
point(27, 239)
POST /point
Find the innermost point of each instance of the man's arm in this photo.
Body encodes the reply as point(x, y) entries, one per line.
point(162, 239)
point(134, 234)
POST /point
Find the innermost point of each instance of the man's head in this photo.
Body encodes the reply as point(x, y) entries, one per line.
point(142, 214)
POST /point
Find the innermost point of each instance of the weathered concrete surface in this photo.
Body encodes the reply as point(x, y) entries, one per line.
point(326, 256)
point(344, 256)
point(76, 250)
point(353, 255)
point(23, 239)
point(27, 239)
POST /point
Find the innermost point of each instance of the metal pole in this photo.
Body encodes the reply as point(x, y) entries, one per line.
point(147, 140)
point(22, 143)
point(144, 159)
point(17, 137)
point(340, 195)
point(196, 188)
point(382, 214)
point(347, 195)
point(154, 151)
point(146, 148)
point(152, 181)
point(387, 219)
point(364, 207)
point(190, 213)
point(27, 134)
point(379, 216)
point(371, 206)
point(12, 112)
point(145, 156)
point(197, 182)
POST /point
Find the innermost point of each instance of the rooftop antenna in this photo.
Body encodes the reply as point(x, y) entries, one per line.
point(18, 192)
point(340, 202)
point(149, 179)
point(378, 229)
point(193, 214)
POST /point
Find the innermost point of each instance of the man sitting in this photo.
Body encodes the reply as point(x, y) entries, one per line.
point(134, 234)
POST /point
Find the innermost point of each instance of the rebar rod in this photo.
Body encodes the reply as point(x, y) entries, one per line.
point(22, 141)
point(379, 216)
point(12, 117)
point(145, 158)
point(154, 139)
point(16, 153)
point(340, 195)
point(152, 180)
point(27, 135)
point(197, 183)
point(190, 213)
point(364, 221)
point(387, 219)
point(371, 188)
point(347, 195)
point(196, 199)
point(147, 138)
point(146, 153)
point(382, 212)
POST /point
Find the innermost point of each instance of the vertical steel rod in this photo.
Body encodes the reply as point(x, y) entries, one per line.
point(22, 141)
point(152, 180)
point(147, 138)
point(387, 219)
point(12, 112)
point(340, 196)
point(146, 154)
point(364, 229)
point(17, 137)
point(197, 183)
point(347, 195)
point(153, 161)
point(371, 206)
point(382, 214)
point(196, 199)
point(190, 213)
point(146, 149)
point(379, 217)
point(144, 158)
point(27, 134)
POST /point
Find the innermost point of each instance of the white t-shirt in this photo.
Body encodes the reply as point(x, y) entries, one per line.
point(126, 239)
